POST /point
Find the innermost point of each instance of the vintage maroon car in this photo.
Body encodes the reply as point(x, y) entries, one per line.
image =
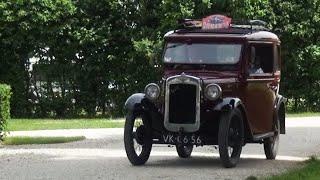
point(220, 87)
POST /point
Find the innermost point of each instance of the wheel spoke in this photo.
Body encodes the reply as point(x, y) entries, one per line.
point(136, 136)
point(137, 147)
point(230, 151)
point(234, 139)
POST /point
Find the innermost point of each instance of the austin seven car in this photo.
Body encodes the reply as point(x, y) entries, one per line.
point(220, 87)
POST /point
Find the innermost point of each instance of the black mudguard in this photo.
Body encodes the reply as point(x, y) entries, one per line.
point(134, 101)
point(138, 103)
point(230, 103)
point(280, 110)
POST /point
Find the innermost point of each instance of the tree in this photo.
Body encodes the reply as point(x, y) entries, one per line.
point(25, 27)
point(92, 54)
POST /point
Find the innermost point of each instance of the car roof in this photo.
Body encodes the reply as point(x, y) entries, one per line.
point(248, 34)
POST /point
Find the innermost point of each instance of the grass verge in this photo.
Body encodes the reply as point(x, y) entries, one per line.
point(303, 114)
point(310, 170)
point(50, 124)
point(20, 140)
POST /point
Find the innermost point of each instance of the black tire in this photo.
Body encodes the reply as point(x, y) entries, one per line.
point(184, 151)
point(131, 138)
point(230, 137)
point(271, 145)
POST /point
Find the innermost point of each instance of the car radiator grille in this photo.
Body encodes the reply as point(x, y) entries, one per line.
point(182, 103)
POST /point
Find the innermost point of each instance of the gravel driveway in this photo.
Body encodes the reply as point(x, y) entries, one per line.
point(102, 156)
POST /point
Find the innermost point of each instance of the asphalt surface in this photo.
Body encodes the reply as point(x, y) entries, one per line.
point(102, 156)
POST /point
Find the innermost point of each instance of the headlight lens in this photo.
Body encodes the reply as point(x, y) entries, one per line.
point(152, 91)
point(213, 91)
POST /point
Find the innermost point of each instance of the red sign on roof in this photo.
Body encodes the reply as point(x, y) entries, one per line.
point(216, 22)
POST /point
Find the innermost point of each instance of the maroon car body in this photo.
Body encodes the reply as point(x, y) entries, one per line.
point(220, 86)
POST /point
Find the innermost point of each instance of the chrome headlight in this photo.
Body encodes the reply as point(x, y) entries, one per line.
point(213, 92)
point(152, 91)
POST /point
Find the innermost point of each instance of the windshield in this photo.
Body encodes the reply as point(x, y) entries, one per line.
point(202, 53)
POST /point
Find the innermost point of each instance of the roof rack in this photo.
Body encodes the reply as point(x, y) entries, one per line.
point(255, 24)
point(216, 31)
point(190, 23)
point(220, 23)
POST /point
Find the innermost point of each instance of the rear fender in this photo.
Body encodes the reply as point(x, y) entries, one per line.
point(280, 111)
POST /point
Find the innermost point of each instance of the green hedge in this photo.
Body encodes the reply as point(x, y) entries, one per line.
point(5, 94)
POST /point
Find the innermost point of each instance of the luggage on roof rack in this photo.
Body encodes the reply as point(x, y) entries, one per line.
point(218, 22)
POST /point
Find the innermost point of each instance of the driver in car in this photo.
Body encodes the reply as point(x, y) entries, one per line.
point(255, 66)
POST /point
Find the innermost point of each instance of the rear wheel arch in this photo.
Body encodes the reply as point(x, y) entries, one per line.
point(280, 113)
point(282, 118)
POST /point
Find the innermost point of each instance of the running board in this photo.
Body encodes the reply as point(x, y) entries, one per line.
point(259, 137)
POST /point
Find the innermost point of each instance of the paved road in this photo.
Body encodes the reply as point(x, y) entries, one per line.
point(101, 156)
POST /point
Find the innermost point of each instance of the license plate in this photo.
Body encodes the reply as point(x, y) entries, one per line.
point(182, 139)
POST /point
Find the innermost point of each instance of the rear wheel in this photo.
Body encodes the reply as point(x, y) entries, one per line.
point(137, 139)
point(271, 144)
point(184, 151)
point(230, 138)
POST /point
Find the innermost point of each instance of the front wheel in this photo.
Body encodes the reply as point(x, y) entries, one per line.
point(137, 139)
point(184, 151)
point(271, 144)
point(230, 137)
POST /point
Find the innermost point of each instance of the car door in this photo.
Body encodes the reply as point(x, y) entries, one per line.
point(259, 94)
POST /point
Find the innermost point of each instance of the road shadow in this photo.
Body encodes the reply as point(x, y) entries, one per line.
point(210, 162)
point(197, 161)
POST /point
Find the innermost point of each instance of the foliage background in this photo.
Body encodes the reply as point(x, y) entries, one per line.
point(5, 94)
point(92, 54)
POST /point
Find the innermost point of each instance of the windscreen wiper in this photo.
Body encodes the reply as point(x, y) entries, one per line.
point(173, 46)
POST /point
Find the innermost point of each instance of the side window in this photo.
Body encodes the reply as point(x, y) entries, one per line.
point(261, 59)
point(277, 60)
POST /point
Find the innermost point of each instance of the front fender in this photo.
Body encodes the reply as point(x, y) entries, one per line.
point(228, 103)
point(138, 103)
point(134, 101)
